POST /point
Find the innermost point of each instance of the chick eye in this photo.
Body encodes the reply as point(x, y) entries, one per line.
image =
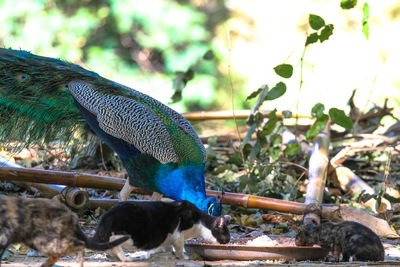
point(23, 77)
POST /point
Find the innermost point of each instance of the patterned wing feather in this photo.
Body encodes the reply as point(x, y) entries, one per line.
point(127, 119)
point(33, 91)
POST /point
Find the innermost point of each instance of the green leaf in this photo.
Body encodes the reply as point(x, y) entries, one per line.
point(274, 153)
point(316, 22)
point(312, 38)
point(284, 70)
point(258, 118)
point(270, 125)
point(365, 29)
point(249, 181)
point(287, 114)
point(208, 55)
point(364, 21)
point(317, 110)
point(246, 150)
point(339, 117)
point(365, 11)
point(254, 152)
point(293, 149)
point(212, 141)
point(261, 97)
point(221, 169)
point(317, 127)
point(276, 140)
point(277, 91)
point(179, 83)
point(326, 33)
point(361, 196)
point(348, 4)
point(254, 94)
point(261, 139)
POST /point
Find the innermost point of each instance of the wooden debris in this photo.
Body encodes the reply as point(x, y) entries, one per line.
point(317, 173)
point(350, 182)
point(379, 226)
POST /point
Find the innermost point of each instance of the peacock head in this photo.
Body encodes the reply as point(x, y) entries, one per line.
point(209, 205)
point(212, 206)
point(194, 190)
point(186, 182)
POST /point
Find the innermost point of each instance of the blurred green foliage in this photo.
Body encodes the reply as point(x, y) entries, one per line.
point(145, 44)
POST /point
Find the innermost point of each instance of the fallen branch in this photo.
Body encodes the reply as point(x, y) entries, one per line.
point(371, 115)
point(317, 173)
point(350, 182)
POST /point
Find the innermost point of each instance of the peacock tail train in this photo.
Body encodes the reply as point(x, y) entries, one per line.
point(45, 99)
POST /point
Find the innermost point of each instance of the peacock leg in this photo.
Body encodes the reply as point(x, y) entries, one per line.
point(156, 196)
point(125, 191)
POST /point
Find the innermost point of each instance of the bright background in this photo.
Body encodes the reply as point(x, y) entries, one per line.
point(143, 43)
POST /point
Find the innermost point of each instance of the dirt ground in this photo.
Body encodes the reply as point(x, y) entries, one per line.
point(103, 259)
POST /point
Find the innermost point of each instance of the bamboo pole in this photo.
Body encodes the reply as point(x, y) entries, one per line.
point(241, 200)
point(331, 212)
point(74, 179)
point(104, 182)
point(318, 168)
point(250, 201)
point(244, 114)
point(227, 114)
point(73, 197)
point(46, 190)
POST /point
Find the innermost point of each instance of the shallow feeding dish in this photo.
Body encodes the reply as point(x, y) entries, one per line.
point(241, 251)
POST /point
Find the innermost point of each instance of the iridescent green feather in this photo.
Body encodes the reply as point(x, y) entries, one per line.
point(45, 99)
point(36, 107)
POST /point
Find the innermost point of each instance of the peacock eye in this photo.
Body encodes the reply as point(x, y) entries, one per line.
point(23, 77)
point(64, 87)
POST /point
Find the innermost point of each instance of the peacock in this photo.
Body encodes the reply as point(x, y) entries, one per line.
point(44, 99)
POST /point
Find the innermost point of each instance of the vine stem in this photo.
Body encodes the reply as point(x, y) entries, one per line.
point(233, 102)
point(301, 82)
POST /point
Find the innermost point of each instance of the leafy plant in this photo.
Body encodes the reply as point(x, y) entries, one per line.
point(322, 31)
point(262, 156)
point(349, 4)
point(321, 119)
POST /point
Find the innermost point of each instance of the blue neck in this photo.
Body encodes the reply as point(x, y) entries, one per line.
point(184, 181)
